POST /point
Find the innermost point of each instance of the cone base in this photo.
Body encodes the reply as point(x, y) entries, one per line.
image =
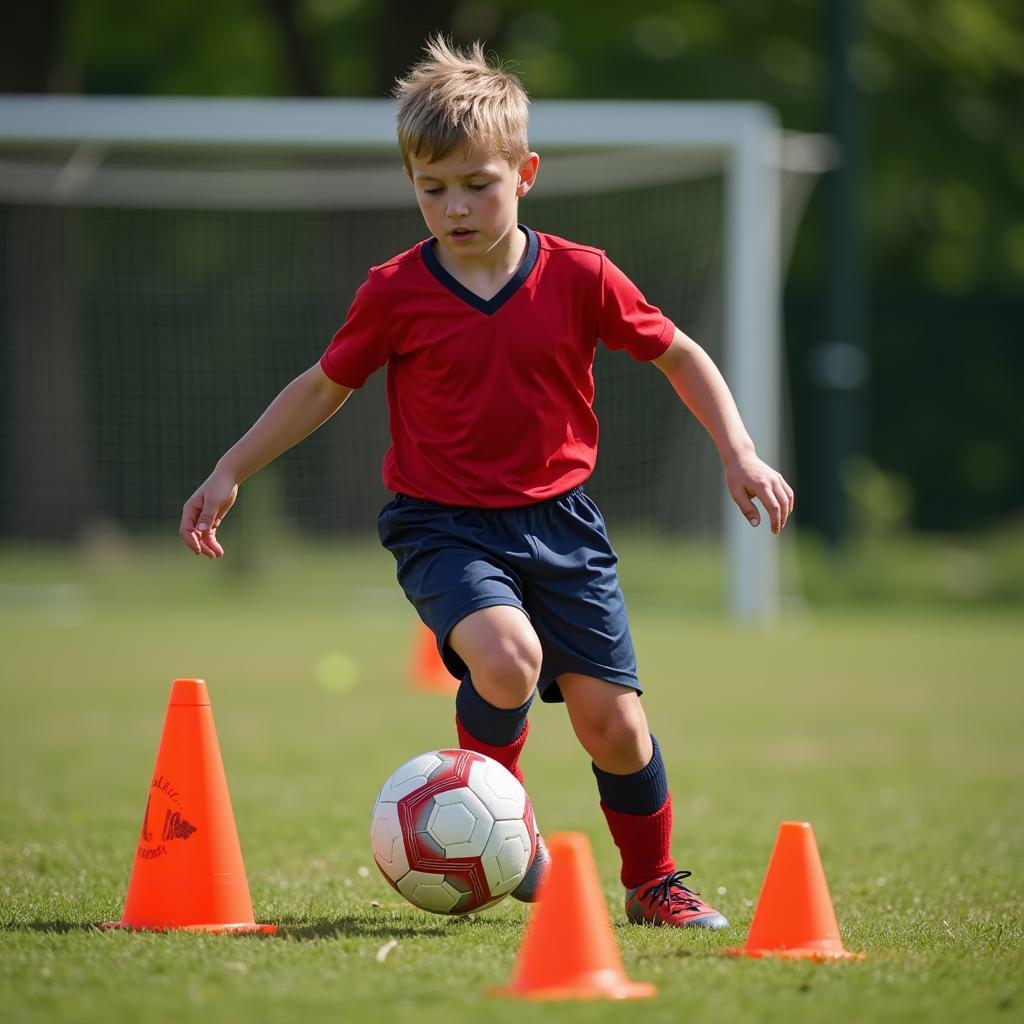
point(245, 928)
point(601, 985)
point(821, 955)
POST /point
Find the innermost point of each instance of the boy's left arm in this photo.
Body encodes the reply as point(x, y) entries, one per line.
point(702, 388)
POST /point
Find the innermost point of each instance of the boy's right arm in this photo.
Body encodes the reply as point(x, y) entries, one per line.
point(307, 402)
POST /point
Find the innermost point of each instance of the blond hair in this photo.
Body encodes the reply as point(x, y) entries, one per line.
point(456, 97)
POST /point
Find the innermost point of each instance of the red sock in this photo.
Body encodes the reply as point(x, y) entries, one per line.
point(644, 841)
point(507, 755)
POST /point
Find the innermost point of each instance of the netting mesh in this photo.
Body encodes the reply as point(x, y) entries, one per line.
point(139, 342)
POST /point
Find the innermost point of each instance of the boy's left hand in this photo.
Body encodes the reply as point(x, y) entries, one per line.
point(747, 477)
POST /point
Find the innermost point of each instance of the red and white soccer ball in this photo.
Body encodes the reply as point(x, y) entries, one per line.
point(453, 831)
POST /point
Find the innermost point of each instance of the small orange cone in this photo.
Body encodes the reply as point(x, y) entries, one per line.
point(569, 951)
point(188, 871)
point(794, 917)
point(428, 670)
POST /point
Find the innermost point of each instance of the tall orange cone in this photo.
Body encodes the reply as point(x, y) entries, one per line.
point(794, 917)
point(428, 670)
point(188, 871)
point(569, 951)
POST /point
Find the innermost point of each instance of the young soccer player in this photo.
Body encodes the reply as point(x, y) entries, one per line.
point(489, 330)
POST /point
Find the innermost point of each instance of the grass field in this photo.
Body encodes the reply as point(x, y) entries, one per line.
point(894, 729)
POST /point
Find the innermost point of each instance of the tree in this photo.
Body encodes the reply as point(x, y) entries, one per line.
point(944, 83)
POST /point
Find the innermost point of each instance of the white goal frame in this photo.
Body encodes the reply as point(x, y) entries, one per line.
point(744, 140)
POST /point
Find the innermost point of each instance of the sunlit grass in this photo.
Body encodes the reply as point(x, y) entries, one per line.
point(892, 724)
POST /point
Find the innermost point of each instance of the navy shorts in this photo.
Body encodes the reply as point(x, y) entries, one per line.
point(552, 559)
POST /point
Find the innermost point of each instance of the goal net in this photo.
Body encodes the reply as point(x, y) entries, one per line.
point(161, 283)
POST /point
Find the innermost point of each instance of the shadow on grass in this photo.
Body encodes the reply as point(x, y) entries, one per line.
point(352, 926)
point(660, 955)
point(55, 927)
point(66, 927)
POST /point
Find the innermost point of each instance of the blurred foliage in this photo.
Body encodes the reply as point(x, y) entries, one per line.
point(944, 88)
point(945, 81)
point(881, 501)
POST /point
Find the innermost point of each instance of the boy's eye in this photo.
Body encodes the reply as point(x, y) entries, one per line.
point(433, 191)
point(479, 187)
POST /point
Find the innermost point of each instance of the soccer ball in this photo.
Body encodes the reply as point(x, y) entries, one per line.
point(453, 831)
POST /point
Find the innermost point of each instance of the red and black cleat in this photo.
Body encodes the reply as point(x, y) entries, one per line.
point(666, 901)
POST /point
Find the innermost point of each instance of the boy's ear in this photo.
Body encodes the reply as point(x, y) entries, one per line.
point(527, 174)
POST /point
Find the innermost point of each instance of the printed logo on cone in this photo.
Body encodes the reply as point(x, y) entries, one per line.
point(164, 822)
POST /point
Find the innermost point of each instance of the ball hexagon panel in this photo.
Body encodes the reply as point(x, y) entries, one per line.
point(459, 823)
point(451, 823)
point(498, 788)
point(507, 856)
point(431, 892)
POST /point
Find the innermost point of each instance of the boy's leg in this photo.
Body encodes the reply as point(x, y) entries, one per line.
point(455, 566)
point(472, 601)
point(610, 722)
point(503, 655)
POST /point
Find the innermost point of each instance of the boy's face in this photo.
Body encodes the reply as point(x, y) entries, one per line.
point(470, 199)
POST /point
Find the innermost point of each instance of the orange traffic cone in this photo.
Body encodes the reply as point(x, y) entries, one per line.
point(569, 950)
point(794, 916)
point(428, 670)
point(188, 871)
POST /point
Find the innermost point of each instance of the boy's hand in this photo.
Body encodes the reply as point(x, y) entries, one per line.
point(747, 477)
point(205, 511)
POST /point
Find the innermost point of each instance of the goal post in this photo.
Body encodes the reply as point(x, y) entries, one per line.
point(327, 155)
point(747, 139)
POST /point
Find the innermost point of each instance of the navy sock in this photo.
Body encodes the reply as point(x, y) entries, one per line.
point(642, 792)
point(495, 726)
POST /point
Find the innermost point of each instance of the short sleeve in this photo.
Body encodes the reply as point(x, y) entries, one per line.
point(627, 320)
point(361, 345)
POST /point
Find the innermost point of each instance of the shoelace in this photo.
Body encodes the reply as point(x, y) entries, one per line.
point(670, 890)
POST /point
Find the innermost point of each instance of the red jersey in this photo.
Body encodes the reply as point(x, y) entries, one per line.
point(491, 401)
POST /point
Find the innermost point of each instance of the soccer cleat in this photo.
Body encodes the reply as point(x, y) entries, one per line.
point(666, 901)
point(529, 888)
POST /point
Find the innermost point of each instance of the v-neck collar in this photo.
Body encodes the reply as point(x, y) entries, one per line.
point(460, 291)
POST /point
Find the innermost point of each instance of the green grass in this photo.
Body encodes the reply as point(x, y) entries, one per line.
point(895, 729)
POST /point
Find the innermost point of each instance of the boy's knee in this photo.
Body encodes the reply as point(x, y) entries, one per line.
point(612, 739)
point(510, 665)
point(618, 742)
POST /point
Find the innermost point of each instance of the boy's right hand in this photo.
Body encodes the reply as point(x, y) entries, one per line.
point(205, 511)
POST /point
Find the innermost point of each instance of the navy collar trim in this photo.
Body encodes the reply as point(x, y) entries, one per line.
point(460, 291)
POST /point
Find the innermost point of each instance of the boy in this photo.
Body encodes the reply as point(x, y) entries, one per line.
point(489, 331)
